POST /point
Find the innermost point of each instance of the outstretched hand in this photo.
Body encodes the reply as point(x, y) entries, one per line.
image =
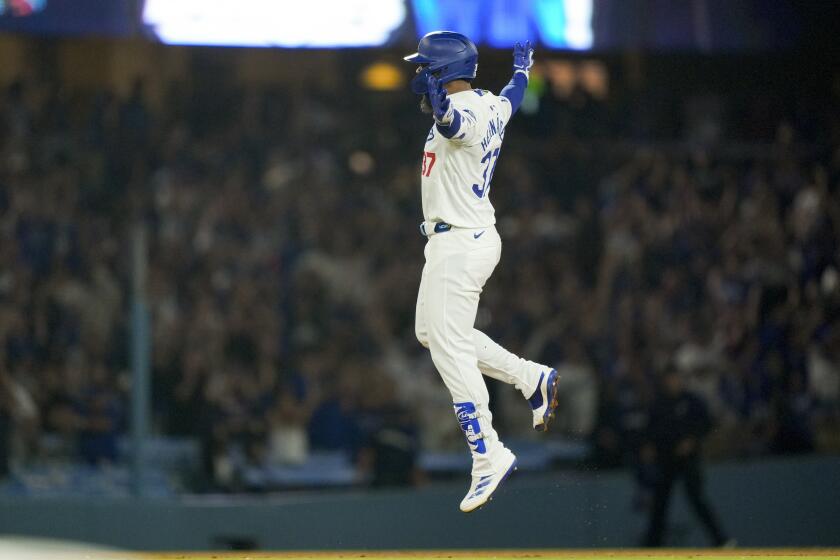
point(523, 57)
point(441, 107)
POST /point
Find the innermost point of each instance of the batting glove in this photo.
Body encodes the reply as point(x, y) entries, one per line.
point(523, 58)
point(441, 107)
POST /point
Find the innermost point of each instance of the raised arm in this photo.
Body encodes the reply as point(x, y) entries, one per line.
point(450, 122)
point(523, 59)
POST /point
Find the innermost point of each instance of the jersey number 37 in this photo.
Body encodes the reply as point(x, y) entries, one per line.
point(490, 157)
point(428, 162)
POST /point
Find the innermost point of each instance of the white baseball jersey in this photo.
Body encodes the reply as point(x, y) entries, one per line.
point(456, 172)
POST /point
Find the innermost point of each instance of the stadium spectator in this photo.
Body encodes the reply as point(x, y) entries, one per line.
point(278, 226)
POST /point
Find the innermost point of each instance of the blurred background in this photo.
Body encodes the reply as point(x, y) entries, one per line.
point(210, 259)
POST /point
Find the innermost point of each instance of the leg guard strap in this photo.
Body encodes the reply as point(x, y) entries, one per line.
point(469, 419)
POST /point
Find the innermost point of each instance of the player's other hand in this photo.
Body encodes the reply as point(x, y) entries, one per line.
point(441, 107)
point(523, 57)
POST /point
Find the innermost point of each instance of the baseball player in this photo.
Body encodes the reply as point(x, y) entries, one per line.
point(462, 150)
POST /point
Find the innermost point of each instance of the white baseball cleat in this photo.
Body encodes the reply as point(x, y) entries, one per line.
point(544, 400)
point(482, 487)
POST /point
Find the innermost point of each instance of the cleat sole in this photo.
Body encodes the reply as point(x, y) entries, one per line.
point(554, 401)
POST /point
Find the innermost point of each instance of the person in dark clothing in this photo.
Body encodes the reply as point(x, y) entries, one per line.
point(678, 423)
point(5, 425)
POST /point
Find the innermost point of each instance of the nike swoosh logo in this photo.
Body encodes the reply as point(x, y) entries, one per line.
point(477, 235)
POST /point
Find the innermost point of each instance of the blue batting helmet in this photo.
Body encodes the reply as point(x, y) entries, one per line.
point(447, 55)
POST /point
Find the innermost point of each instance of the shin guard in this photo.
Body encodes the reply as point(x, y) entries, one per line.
point(468, 418)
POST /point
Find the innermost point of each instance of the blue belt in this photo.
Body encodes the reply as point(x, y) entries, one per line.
point(440, 227)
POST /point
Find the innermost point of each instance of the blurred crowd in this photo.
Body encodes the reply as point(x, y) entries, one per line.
point(283, 259)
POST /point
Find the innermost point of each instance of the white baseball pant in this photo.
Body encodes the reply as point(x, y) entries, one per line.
point(458, 264)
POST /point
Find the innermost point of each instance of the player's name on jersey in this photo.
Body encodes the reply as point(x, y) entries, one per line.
point(494, 126)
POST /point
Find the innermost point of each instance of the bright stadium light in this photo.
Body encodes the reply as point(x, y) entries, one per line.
point(579, 23)
point(557, 24)
point(21, 8)
point(382, 76)
point(274, 23)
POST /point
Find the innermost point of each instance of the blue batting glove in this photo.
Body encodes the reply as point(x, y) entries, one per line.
point(441, 107)
point(523, 57)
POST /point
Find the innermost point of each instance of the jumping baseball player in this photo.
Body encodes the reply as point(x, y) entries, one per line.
point(462, 150)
